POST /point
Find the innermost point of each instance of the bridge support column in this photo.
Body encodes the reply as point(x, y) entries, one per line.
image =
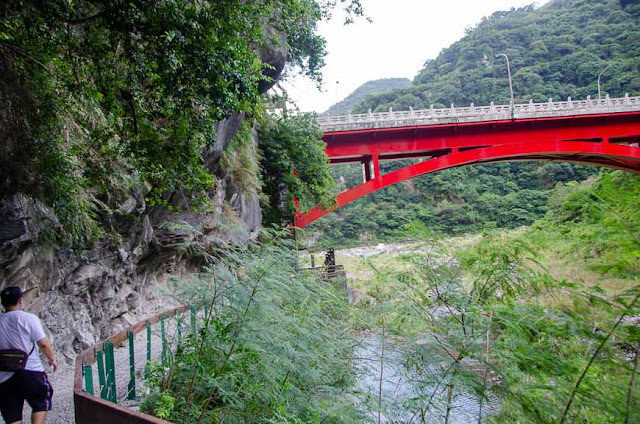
point(366, 170)
point(368, 173)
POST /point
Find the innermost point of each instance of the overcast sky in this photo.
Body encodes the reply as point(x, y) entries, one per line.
point(403, 34)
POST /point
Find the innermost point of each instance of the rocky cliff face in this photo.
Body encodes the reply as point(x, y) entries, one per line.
point(83, 297)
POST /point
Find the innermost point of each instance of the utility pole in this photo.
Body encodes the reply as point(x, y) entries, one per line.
point(600, 75)
point(336, 103)
point(513, 102)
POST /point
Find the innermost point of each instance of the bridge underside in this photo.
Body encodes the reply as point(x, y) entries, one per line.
point(609, 140)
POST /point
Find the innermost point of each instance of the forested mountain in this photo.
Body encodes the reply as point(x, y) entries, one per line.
point(454, 201)
point(369, 88)
point(556, 51)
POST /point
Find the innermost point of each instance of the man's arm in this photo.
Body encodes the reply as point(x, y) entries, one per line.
point(47, 350)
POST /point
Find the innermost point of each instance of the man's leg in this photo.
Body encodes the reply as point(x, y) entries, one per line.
point(11, 400)
point(38, 392)
point(38, 417)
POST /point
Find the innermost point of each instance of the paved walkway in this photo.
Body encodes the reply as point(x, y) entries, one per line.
point(62, 380)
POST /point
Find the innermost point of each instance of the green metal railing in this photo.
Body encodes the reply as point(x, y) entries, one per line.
point(134, 350)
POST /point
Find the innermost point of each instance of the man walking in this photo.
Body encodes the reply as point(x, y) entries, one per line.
point(21, 330)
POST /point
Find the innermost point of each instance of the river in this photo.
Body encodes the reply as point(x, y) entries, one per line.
point(402, 392)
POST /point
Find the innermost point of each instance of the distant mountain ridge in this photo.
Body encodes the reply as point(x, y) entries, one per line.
point(556, 51)
point(369, 88)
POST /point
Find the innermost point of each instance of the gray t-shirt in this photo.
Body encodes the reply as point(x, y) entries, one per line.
point(20, 330)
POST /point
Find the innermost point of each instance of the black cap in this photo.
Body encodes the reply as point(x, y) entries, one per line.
point(10, 296)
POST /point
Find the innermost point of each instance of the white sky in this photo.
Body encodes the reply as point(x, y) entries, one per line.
point(403, 34)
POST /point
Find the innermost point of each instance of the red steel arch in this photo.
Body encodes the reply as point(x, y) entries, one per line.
point(609, 140)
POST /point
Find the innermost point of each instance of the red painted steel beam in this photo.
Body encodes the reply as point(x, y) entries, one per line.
point(581, 139)
point(350, 146)
point(603, 154)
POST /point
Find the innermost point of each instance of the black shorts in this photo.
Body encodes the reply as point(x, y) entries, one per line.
point(32, 386)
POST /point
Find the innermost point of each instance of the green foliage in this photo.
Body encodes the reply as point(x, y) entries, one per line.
point(541, 353)
point(494, 324)
point(556, 51)
point(274, 347)
point(499, 270)
point(102, 99)
point(240, 161)
point(453, 201)
point(598, 222)
point(486, 326)
point(294, 165)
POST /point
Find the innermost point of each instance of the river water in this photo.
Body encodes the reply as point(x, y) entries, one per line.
point(402, 393)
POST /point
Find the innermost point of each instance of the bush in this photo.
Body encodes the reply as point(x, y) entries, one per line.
point(274, 346)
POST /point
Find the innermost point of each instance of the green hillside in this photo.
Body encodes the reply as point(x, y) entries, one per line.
point(556, 51)
point(454, 201)
point(369, 88)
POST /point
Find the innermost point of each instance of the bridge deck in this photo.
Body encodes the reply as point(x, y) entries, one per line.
point(604, 133)
point(429, 141)
point(493, 112)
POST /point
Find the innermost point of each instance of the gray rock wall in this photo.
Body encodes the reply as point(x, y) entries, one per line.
point(83, 297)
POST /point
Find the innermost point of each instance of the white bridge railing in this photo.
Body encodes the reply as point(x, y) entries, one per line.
point(477, 113)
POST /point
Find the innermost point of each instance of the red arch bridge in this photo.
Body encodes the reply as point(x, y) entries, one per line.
point(603, 132)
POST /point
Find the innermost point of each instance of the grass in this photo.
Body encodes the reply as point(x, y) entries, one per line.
point(547, 309)
point(553, 257)
point(563, 261)
point(362, 262)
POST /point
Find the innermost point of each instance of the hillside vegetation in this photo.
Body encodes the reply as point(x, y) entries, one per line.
point(556, 51)
point(104, 102)
point(455, 201)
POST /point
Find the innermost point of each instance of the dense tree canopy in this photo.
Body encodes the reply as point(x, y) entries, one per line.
point(454, 201)
point(101, 98)
point(556, 51)
point(294, 166)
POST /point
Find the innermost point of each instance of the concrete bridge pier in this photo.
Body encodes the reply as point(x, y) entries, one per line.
point(370, 167)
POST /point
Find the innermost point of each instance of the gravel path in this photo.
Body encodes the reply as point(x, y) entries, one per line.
point(62, 380)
